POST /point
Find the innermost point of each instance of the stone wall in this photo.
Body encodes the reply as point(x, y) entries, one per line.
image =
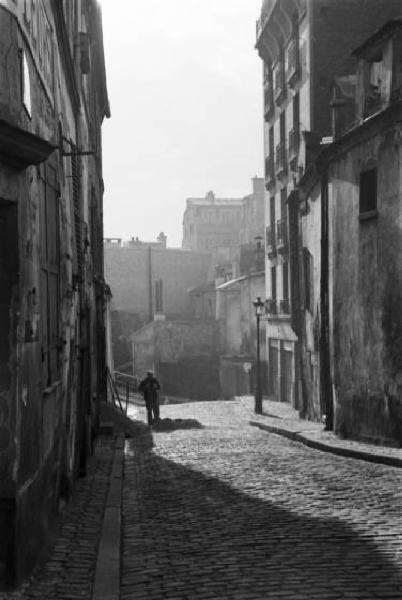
point(366, 279)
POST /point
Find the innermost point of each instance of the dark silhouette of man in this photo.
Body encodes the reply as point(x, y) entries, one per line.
point(149, 388)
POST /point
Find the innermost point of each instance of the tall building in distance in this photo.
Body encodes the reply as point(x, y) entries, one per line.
point(304, 46)
point(222, 226)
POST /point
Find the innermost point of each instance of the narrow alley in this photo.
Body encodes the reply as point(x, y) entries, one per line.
point(229, 512)
point(213, 509)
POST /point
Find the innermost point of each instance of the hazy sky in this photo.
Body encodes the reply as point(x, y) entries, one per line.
point(184, 83)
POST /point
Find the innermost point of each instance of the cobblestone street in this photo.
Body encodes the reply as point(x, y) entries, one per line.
point(69, 570)
point(228, 511)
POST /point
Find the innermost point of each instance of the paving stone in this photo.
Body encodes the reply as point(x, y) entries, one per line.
point(229, 511)
point(68, 572)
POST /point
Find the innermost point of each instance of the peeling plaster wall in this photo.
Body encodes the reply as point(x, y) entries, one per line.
point(310, 227)
point(366, 282)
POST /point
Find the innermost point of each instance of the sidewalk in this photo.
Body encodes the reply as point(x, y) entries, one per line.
point(282, 419)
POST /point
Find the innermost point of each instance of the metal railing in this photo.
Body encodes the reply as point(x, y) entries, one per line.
point(294, 142)
point(269, 169)
point(123, 389)
point(270, 240)
point(280, 158)
point(282, 233)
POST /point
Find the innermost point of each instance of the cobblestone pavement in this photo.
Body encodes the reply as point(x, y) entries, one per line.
point(231, 512)
point(69, 571)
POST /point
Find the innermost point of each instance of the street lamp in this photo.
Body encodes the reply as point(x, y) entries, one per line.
point(259, 311)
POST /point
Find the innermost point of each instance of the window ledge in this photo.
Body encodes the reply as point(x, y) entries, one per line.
point(370, 214)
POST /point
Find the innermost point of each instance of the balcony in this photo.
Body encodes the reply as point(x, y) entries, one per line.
point(269, 104)
point(293, 63)
point(279, 84)
point(294, 145)
point(271, 307)
point(284, 307)
point(269, 172)
point(270, 245)
point(282, 236)
point(281, 166)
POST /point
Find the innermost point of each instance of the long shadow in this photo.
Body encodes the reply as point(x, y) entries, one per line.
point(186, 534)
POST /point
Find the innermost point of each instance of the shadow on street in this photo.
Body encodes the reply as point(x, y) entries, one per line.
point(185, 532)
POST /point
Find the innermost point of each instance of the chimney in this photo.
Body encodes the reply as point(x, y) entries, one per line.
point(162, 239)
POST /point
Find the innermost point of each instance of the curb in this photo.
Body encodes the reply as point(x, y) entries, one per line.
point(107, 572)
point(390, 461)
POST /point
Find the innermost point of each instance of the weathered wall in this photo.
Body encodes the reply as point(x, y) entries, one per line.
point(183, 355)
point(50, 354)
point(366, 283)
point(127, 273)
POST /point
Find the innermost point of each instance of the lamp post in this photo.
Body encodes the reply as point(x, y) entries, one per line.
point(259, 311)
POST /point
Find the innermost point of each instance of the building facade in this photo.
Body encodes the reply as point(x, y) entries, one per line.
point(53, 99)
point(304, 45)
point(149, 280)
point(346, 216)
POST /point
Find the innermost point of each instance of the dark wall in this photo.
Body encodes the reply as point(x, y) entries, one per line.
point(339, 28)
point(197, 379)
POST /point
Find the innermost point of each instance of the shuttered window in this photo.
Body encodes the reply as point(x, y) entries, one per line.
point(308, 272)
point(49, 275)
point(76, 183)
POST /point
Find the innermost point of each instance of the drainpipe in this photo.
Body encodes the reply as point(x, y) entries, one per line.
point(150, 304)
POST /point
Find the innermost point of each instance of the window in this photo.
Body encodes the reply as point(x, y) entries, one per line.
point(285, 276)
point(273, 283)
point(284, 208)
point(159, 296)
point(272, 211)
point(296, 112)
point(49, 275)
point(271, 142)
point(308, 272)
point(368, 193)
point(282, 127)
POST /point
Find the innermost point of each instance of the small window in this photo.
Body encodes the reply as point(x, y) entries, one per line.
point(368, 193)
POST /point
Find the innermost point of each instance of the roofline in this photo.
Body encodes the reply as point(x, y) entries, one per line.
point(389, 26)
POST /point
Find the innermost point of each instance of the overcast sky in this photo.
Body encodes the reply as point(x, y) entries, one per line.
point(184, 83)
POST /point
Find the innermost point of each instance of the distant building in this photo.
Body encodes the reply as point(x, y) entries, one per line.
point(225, 227)
point(304, 45)
point(148, 281)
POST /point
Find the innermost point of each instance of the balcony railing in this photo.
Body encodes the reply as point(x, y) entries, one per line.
point(269, 171)
point(269, 105)
point(280, 159)
point(282, 235)
point(271, 307)
point(294, 145)
point(284, 307)
point(270, 242)
point(293, 62)
point(279, 84)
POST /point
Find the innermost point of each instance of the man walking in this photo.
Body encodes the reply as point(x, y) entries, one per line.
point(149, 388)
